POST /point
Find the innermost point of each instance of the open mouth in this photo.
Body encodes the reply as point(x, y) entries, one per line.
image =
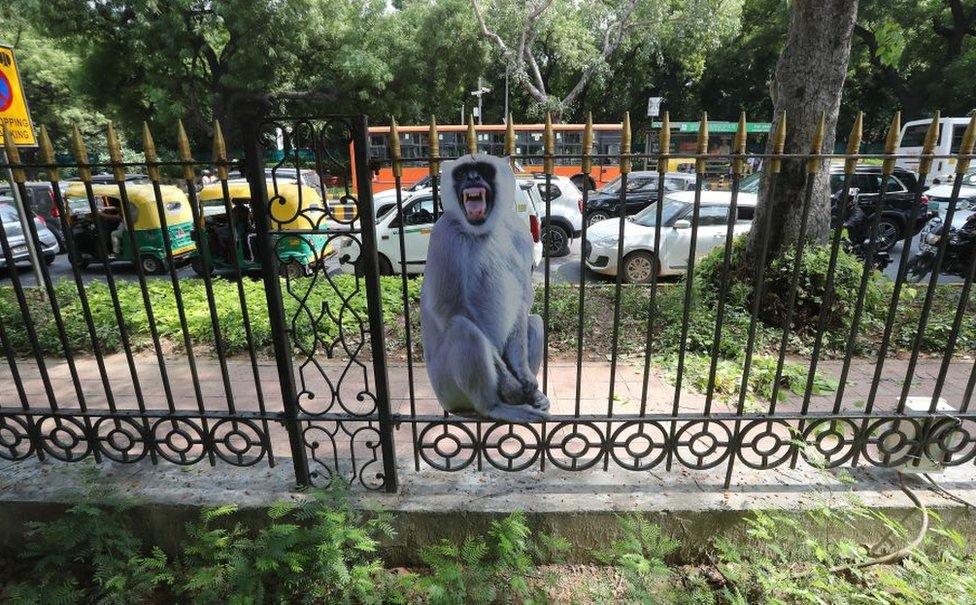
point(475, 202)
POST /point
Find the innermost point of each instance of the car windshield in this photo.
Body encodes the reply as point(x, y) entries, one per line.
point(648, 216)
point(8, 214)
point(634, 183)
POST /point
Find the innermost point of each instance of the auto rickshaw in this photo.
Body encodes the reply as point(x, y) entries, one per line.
point(297, 255)
point(146, 225)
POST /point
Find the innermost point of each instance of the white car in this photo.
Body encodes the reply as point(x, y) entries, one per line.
point(418, 220)
point(600, 248)
point(940, 196)
point(565, 220)
point(385, 200)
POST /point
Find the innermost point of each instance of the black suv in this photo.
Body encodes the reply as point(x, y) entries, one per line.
point(866, 183)
point(899, 198)
point(641, 192)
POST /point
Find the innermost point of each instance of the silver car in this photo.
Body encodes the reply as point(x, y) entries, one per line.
point(15, 235)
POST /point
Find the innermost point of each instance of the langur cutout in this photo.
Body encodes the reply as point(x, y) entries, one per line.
point(482, 348)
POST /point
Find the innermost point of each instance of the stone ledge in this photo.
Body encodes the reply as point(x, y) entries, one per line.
point(691, 505)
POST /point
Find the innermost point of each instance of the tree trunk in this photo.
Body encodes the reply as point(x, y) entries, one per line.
point(808, 81)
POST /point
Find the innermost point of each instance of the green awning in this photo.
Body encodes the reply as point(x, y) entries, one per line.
point(714, 127)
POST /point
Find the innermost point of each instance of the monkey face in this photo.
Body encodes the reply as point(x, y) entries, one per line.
point(474, 187)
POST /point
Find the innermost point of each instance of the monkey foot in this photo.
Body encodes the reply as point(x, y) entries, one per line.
point(518, 413)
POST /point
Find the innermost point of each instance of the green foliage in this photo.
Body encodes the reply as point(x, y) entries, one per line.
point(640, 555)
point(481, 570)
point(318, 550)
point(90, 554)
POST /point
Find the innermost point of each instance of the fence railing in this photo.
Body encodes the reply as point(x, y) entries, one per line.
point(835, 344)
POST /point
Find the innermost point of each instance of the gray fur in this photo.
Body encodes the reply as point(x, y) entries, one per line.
point(482, 347)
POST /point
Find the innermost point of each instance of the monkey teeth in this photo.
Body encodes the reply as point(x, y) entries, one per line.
point(475, 202)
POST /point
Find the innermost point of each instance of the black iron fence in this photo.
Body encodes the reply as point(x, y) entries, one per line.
point(238, 322)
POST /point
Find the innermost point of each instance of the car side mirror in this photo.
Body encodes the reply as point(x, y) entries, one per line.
point(682, 224)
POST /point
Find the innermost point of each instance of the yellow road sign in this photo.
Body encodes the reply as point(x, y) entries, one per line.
point(13, 103)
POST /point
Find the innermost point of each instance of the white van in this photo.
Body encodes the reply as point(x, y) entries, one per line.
point(418, 214)
point(950, 139)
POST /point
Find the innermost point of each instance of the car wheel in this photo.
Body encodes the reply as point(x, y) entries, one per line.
point(639, 267)
point(292, 269)
point(596, 216)
point(555, 240)
point(385, 267)
point(887, 234)
point(151, 265)
point(80, 261)
point(49, 258)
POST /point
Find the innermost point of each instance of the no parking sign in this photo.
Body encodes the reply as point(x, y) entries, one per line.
point(13, 103)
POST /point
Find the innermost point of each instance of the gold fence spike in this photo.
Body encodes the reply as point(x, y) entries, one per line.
point(739, 146)
point(149, 150)
point(779, 144)
point(548, 146)
point(220, 152)
point(80, 152)
point(891, 144)
point(625, 161)
point(115, 152)
point(701, 148)
point(664, 145)
point(47, 155)
point(816, 145)
point(395, 148)
point(928, 146)
point(183, 148)
point(13, 156)
point(472, 136)
point(510, 147)
point(854, 144)
point(587, 164)
point(966, 148)
point(433, 142)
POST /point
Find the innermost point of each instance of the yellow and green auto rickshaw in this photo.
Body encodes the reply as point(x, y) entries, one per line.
point(290, 211)
point(147, 225)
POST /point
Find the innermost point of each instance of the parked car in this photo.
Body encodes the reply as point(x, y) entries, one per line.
point(41, 199)
point(418, 220)
point(642, 188)
point(107, 178)
point(565, 220)
point(385, 200)
point(309, 177)
point(639, 264)
point(17, 239)
point(940, 195)
point(866, 185)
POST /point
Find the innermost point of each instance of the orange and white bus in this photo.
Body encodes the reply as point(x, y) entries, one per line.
point(491, 139)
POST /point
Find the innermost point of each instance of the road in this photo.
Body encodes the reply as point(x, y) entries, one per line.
point(562, 270)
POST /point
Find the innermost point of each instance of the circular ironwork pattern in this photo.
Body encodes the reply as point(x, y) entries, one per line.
point(574, 446)
point(63, 438)
point(702, 444)
point(764, 444)
point(829, 443)
point(891, 442)
point(120, 439)
point(953, 439)
point(15, 441)
point(447, 446)
point(179, 440)
point(511, 447)
point(643, 442)
point(238, 442)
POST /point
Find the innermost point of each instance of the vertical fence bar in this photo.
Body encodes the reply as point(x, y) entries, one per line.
point(254, 169)
point(775, 166)
point(962, 164)
point(924, 166)
point(587, 167)
point(374, 299)
point(738, 165)
point(397, 167)
point(701, 151)
point(548, 165)
point(662, 169)
point(850, 166)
